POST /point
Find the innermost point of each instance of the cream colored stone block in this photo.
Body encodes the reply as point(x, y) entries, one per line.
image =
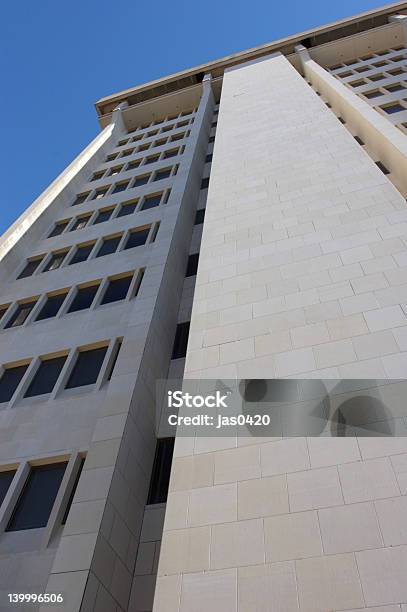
point(367, 480)
point(349, 528)
point(269, 587)
point(185, 550)
point(292, 536)
point(237, 544)
point(262, 497)
point(237, 464)
point(318, 488)
point(212, 505)
point(382, 574)
point(215, 591)
point(192, 472)
point(289, 455)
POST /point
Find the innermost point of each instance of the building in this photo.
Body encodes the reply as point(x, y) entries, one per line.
point(290, 162)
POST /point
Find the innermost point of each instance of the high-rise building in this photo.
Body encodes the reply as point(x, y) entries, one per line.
point(284, 170)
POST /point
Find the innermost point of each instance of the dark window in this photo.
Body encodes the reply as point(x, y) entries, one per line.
point(377, 77)
point(82, 253)
point(160, 143)
point(144, 147)
point(46, 376)
point(10, 380)
point(363, 69)
point(137, 238)
point(393, 108)
point(100, 193)
point(200, 216)
point(133, 165)
point(356, 83)
point(127, 208)
point(162, 174)
point(115, 170)
point(160, 476)
point(111, 157)
point(212, 139)
point(167, 128)
point(208, 158)
point(151, 201)
point(177, 137)
point(58, 228)
point(382, 167)
point(127, 152)
point(397, 87)
point(179, 348)
point(152, 159)
point(171, 153)
point(30, 268)
point(141, 180)
point(3, 310)
point(108, 246)
point(379, 64)
point(114, 360)
point(121, 143)
point(395, 72)
point(214, 124)
point(37, 498)
point(103, 215)
point(51, 306)
point(342, 120)
point(86, 368)
point(20, 314)
point(55, 261)
point(79, 223)
point(83, 298)
point(120, 187)
point(5, 482)
point(97, 175)
point(205, 183)
point(192, 265)
point(116, 290)
point(359, 140)
point(72, 495)
point(373, 94)
point(80, 198)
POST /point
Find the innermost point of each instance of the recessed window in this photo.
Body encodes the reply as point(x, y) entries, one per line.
point(115, 170)
point(356, 83)
point(373, 94)
point(182, 124)
point(397, 87)
point(87, 367)
point(398, 58)
point(121, 143)
point(160, 476)
point(177, 137)
point(20, 315)
point(5, 482)
point(80, 223)
point(192, 266)
point(30, 267)
point(100, 193)
point(379, 64)
point(97, 175)
point(179, 349)
point(141, 180)
point(116, 290)
point(342, 120)
point(58, 228)
point(137, 238)
point(151, 201)
point(127, 152)
point(382, 167)
point(363, 69)
point(152, 133)
point(82, 253)
point(144, 147)
point(395, 72)
point(51, 306)
point(103, 215)
point(137, 138)
point(162, 174)
point(55, 261)
point(200, 216)
point(160, 143)
point(377, 77)
point(359, 140)
point(205, 183)
point(83, 298)
point(113, 359)
point(171, 153)
point(80, 198)
point(133, 165)
point(393, 108)
point(35, 503)
point(3, 310)
point(127, 208)
point(108, 246)
point(111, 157)
point(345, 74)
point(152, 159)
point(212, 139)
point(120, 187)
point(167, 128)
point(9, 381)
point(72, 495)
point(46, 376)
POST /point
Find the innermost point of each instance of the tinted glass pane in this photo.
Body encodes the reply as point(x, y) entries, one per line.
point(5, 482)
point(120, 187)
point(81, 254)
point(200, 216)
point(171, 153)
point(3, 310)
point(151, 202)
point(10, 380)
point(192, 266)
point(163, 174)
point(51, 306)
point(160, 476)
point(141, 180)
point(55, 261)
point(80, 223)
point(137, 238)
point(80, 198)
point(117, 290)
point(108, 246)
point(87, 368)
point(83, 298)
point(37, 498)
point(181, 340)
point(58, 229)
point(151, 160)
point(72, 495)
point(205, 183)
point(46, 376)
point(103, 215)
point(30, 268)
point(20, 315)
point(127, 209)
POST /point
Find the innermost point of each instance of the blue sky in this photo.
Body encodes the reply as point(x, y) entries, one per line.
point(58, 58)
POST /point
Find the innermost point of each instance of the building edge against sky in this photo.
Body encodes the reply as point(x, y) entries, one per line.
point(284, 170)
